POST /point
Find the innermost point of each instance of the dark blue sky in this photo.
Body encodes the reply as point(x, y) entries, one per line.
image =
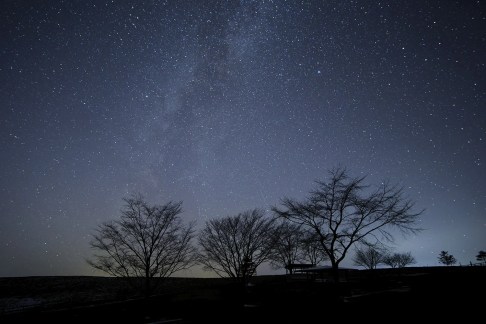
point(233, 105)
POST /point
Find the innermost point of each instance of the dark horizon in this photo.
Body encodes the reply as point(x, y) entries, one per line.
point(189, 300)
point(406, 269)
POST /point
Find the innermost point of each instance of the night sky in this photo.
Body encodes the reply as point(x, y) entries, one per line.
point(232, 105)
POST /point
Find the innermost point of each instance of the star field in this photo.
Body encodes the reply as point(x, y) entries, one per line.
point(232, 105)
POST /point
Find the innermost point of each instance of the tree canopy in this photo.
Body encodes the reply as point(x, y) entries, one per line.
point(446, 258)
point(343, 211)
point(147, 241)
point(399, 260)
point(234, 246)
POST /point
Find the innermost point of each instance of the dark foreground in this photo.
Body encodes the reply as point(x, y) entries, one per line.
point(383, 295)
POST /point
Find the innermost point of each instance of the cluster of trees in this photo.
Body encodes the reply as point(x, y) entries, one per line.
point(449, 260)
point(152, 241)
point(371, 257)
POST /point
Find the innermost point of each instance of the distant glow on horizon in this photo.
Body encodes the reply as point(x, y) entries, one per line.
point(234, 105)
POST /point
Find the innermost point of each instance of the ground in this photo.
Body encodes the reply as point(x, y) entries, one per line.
point(405, 294)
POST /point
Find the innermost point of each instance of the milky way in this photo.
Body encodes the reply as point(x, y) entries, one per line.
point(233, 105)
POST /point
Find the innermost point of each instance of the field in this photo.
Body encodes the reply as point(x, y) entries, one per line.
point(381, 295)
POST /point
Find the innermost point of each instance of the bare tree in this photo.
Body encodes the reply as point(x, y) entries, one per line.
point(287, 248)
point(344, 211)
point(235, 246)
point(481, 257)
point(446, 258)
point(312, 251)
point(369, 257)
point(399, 260)
point(148, 241)
point(293, 245)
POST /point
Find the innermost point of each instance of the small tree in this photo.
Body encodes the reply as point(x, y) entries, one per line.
point(369, 257)
point(235, 246)
point(294, 245)
point(287, 248)
point(446, 258)
point(481, 257)
point(399, 260)
point(312, 251)
point(148, 241)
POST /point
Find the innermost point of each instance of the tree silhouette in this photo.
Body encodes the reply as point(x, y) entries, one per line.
point(312, 251)
point(293, 245)
point(399, 260)
point(148, 241)
point(446, 258)
point(344, 211)
point(369, 257)
point(235, 246)
point(288, 245)
point(481, 257)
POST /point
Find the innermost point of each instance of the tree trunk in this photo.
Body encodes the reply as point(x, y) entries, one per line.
point(335, 272)
point(147, 284)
